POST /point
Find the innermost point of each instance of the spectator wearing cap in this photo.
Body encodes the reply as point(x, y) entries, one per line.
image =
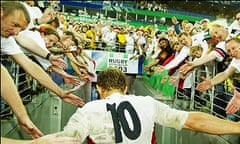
point(204, 24)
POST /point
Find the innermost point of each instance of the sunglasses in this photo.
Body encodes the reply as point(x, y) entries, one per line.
point(238, 18)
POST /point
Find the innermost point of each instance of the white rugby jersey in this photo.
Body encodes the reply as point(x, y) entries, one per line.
point(36, 36)
point(236, 64)
point(219, 51)
point(234, 29)
point(183, 54)
point(122, 119)
point(9, 46)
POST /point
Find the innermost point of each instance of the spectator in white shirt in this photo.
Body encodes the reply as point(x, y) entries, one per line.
point(234, 28)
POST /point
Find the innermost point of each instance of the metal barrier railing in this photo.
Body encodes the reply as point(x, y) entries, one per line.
point(26, 85)
point(207, 101)
point(213, 101)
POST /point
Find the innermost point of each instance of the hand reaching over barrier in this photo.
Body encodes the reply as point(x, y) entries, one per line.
point(234, 105)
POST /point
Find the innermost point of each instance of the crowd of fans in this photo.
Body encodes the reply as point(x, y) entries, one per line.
point(163, 53)
point(168, 58)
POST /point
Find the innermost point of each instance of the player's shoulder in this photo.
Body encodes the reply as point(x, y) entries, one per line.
point(139, 99)
point(221, 45)
point(94, 105)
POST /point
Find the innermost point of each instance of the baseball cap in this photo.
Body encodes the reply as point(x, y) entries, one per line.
point(204, 20)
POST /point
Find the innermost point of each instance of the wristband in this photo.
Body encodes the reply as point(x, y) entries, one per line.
point(48, 55)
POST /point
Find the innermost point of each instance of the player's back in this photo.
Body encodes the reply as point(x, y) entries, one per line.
point(116, 119)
